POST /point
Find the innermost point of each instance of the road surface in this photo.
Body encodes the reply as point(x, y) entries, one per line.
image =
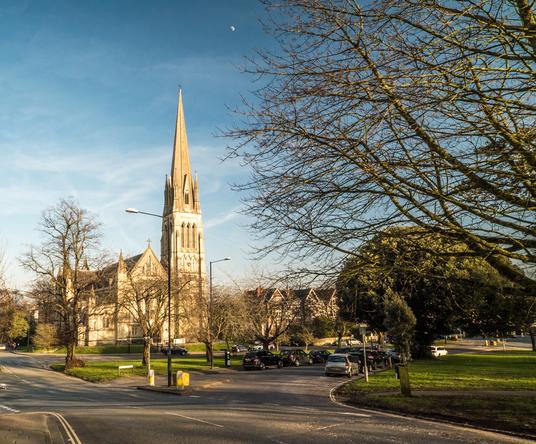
point(287, 405)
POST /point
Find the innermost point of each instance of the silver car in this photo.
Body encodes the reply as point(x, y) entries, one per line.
point(340, 364)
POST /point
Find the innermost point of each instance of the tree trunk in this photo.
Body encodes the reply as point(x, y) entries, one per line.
point(209, 351)
point(265, 344)
point(532, 332)
point(147, 353)
point(70, 360)
point(339, 338)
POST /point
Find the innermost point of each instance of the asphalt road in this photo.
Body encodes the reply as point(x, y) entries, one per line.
point(287, 405)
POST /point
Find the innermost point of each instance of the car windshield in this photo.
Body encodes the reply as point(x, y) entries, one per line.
point(251, 354)
point(336, 359)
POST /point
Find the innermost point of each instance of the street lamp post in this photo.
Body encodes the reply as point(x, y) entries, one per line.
point(210, 308)
point(169, 371)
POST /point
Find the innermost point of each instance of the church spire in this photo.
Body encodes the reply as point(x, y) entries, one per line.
point(121, 267)
point(181, 174)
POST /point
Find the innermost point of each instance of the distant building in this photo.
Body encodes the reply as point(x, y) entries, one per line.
point(295, 306)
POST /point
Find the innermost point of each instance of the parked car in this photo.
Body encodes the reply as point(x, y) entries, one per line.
point(340, 364)
point(438, 351)
point(320, 356)
point(239, 348)
point(175, 350)
point(255, 347)
point(379, 358)
point(3, 347)
point(261, 359)
point(395, 356)
point(296, 358)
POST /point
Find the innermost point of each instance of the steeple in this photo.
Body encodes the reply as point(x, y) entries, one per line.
point(181, 174)
point(121, 267)
point(182, 244)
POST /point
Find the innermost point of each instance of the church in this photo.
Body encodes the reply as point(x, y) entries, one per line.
point(113, 307)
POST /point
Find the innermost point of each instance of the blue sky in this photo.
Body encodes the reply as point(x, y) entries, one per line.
point(87, 109)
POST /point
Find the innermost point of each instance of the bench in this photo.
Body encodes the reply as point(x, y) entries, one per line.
point(124, 367)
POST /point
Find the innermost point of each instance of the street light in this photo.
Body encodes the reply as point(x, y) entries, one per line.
point(210, 308)
point(136, 211)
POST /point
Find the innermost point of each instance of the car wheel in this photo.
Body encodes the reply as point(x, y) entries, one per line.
point(310, 362)
point(297, 362)
point(279, 364)
point(262, 366)
point(327, 374)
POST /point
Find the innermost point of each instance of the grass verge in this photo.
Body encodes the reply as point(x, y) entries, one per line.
point(102, 371)
point(496, 390)
point(123, 349)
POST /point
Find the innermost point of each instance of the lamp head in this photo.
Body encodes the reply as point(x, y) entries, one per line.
point(132, 210)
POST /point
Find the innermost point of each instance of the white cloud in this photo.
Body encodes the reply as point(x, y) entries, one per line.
point(220, 220)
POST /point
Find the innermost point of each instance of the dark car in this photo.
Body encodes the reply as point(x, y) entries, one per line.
point(395, 356)
point(261, 359)
point(296, 358)
point(180, 351)
point(320, 356)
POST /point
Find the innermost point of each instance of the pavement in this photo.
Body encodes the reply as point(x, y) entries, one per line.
point(284, 406)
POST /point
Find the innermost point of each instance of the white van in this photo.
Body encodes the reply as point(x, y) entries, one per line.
point(438, 351)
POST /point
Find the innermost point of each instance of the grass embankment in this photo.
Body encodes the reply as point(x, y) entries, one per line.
point(101, 371)
point(495, 390)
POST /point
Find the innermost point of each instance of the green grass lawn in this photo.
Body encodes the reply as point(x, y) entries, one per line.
point(101, 371)
point(497, 371)
point(475, 386)
point(124, 348)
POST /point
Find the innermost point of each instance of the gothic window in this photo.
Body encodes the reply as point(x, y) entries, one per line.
point(194, 236)
point(188, 241)
point(183, 235)
point(186, 197)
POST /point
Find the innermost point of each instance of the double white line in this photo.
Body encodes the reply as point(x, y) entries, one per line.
point(9, 409)
point(73, 438)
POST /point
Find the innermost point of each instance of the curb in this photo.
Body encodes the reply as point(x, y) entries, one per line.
point(169, 391)
point(432, 419)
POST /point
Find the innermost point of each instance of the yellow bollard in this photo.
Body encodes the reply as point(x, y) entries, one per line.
point(183, 379)
point(151, 377)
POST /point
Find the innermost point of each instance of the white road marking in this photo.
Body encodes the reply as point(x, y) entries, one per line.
point(71, 434)
point(194, 396)
point(9, 409)
point(329, 426)
point(194, 419)
point(354, 414)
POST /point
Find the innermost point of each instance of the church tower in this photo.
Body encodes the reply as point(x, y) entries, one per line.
point(182, 231)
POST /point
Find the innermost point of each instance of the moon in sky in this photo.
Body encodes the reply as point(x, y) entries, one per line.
point(232, 28)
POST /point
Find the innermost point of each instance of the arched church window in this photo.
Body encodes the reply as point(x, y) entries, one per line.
point(186, 197)
point(188, 238)
point(194, 236)
point(183, 235)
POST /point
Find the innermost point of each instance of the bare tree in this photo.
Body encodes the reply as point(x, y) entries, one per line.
point(395, 112)
point(61, 263)
point(270, 313)
point(229, 315)
point(143, 302)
